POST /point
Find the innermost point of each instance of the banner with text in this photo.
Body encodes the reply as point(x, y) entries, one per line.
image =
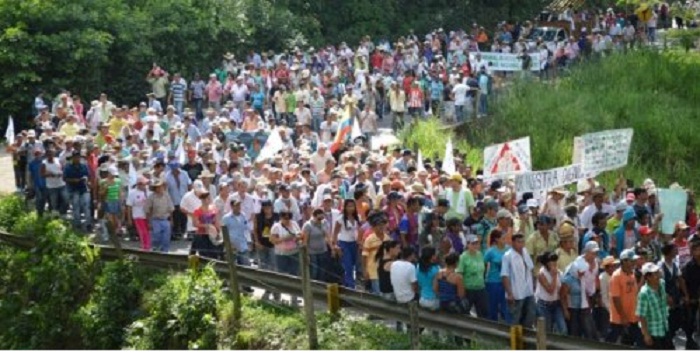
point(606, 150)
point(508, 158)
point(549, 179)
point(672, 203)
point(507, 62)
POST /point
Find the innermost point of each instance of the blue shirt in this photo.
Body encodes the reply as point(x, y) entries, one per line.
point(73, 171)
point(35, 171)
point(436, 89)
point(258, 99)
point(176, 193)
point(425, 282)
point(177, 89)
point(494, 257)
point(238, 230)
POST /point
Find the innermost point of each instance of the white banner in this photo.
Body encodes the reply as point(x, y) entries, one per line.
point(507, 62)
point(606, 150)
point(577, 156)
point(549, 179)
point(508, 158)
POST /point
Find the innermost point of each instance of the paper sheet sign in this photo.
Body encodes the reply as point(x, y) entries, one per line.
point(606, 150)
point(507, 158)
point(672, 203)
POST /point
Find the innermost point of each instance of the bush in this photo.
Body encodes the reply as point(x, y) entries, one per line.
point(43, 289)
point(431, 138)
point(11, 209)
point(113, 306)
point(182, 314)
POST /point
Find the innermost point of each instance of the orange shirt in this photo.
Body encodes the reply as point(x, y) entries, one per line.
point(623, 285)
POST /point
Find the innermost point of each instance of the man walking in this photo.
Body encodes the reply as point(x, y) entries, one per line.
point(76, 176)
point(516, 274)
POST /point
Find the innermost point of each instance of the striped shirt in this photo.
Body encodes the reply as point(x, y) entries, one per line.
point(177, 89)
point(415, 98)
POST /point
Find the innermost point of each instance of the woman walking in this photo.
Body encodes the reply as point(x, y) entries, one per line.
point(549, 305)
point(471, 266)
point(206, 242)
point(346, 233)
point(450, 287)
point(494, 285)
point(386, 255)
point(426, 274)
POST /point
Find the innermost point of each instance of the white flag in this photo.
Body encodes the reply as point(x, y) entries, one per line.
point(181, 157)
point(10, 133)
point(448, 164)
point(356, 132)
point(273, 145)
point(419, 164)
point(217, 157)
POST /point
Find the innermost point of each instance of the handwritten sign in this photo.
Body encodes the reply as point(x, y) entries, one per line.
point(672, 203)
point(549, 179)
point(606, 150)
point(507, 62)
point(511, 157)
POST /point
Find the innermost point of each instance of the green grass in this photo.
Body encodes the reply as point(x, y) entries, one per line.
point(654, 93)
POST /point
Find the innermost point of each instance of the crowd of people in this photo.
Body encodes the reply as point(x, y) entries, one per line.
point(592, 262)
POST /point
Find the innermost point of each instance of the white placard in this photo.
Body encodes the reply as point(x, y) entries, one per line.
point(606, 150)
point(549, 179)
point(507, 62)
point(510, 157)
point(577, 156)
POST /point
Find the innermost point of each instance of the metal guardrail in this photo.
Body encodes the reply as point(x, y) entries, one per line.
point(368, 303)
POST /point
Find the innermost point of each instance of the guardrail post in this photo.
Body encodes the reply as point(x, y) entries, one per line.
point(516, 337)
point(309, 313)
point(333, 299)
point(414, 331)
point(193, 261)
point(541, 334)
point(233, 277)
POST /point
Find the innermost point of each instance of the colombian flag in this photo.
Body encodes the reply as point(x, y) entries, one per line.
point(344, 129)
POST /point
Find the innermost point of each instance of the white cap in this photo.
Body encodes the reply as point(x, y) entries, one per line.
point(650, 267)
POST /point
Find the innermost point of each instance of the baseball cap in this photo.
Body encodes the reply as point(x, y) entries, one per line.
point(650, 267)
point(591, 246)
point(523, 209)
point(621, 207)
point(503, 213)
point(628, 254)
point(471, 238)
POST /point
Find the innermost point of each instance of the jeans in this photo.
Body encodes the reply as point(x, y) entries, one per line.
point(483, 101)
point(349, 260)
point(374, 284)
point(651, 34)
point(601, 317)
point(319, 264)
point(316, 122)
point(80, 203)
point(179, 106)
point(478, 298)
point(160, 234)
point(631, 334)
point(58, 198)
point(523, 311)
point(243, 258)
point(199, 113)
point(288, 264)
point(459, 113)
point(553, 316)
point(497, 302)
point(216, 105)
point(40, 197)
point(581, 323)
point(141, 226)
point(266, 257)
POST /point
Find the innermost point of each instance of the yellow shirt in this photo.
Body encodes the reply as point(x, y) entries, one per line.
point(369, 250)
point(70, 130)
point(536, 245)
point(565, 258)
point(115, 126)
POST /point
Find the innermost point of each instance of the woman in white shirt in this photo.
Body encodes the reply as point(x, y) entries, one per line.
point(285, 235)
point(547, 293)
point(346, 233)
point(136, 214)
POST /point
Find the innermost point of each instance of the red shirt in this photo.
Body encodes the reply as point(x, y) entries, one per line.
point(377, 60)
point(407, 81)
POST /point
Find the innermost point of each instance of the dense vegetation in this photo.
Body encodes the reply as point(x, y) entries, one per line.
point(93, 46)
point(648, 91)
point(59, 295)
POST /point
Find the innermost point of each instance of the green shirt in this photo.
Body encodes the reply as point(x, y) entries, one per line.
point(113, 190)
point(472, 268)
point(652, 306)
point(291, 100)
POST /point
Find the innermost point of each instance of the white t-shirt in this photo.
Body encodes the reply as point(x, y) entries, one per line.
point(347, 233)
point(327, 130)
point(460, 91)
point(54, 168)
point(190, 202)
point(403, 275)
point(137, 201)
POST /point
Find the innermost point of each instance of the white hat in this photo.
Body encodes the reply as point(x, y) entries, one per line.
point(650, 267)
point(113, 170)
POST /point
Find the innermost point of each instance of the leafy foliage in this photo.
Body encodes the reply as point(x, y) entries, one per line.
point(182, 314)
point(43, 288)
point(11, 208)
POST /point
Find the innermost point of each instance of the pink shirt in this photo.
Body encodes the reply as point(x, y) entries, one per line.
point(214, 90)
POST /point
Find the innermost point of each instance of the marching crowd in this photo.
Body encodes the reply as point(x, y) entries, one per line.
point(593, 262)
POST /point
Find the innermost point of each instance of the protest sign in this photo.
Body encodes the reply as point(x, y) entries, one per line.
point(507, 62)
point(606, 150)
point(549, 179)
point(577, 156)
point(672, 203)
point(507, 158)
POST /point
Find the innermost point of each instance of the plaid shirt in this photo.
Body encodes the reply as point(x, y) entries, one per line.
point(652, 306)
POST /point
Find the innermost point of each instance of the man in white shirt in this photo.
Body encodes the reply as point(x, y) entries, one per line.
point(189, 203)
point(516, 274)
point(249, 204)
point(403, 276)
point(459, 95)
point(320, 157)
point(598, 206)
point(287, 203)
